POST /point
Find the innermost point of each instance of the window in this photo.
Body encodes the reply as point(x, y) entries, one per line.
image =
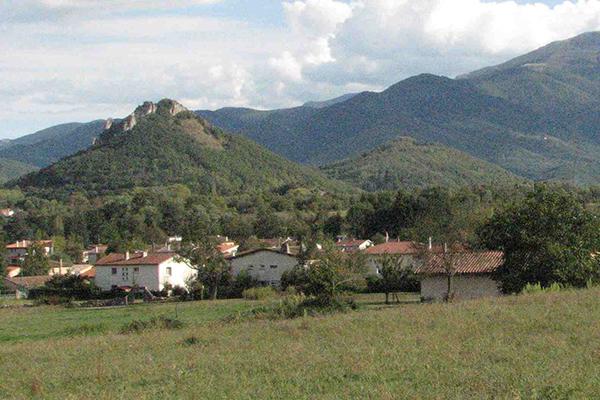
point(250, 267)
point(262, 267)
point(136, 269)
point(125, 274)
point(169, 271)
point(114, 271)
point(273, 266)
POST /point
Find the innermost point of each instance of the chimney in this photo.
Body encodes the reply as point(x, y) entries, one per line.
point(285, 248)
point(127, 255)
point(387, 237)
point(60, 266)
point(430, 246)
point(445, 247)
point(144, 254)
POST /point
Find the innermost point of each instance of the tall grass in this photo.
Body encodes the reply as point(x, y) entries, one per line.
point(519, 347)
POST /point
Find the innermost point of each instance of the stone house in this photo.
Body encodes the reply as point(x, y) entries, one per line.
point(472, 279)
point(151, 271)
point(265, 265)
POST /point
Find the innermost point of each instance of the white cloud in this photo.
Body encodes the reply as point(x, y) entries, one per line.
point(85, 59)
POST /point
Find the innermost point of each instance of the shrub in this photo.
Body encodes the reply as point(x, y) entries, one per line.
point(66, 286)
point(532, 288)
point(259, 293)
point(296, 306)
point(137, 326)
point(85, 329)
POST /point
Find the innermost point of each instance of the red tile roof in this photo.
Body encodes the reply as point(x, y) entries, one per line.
point(25, 244)
point(135, 259)
point(90, 273)
point(248, 252)
point(29, 281)
point(226, 247)
point(465, 263)
point(405, 247)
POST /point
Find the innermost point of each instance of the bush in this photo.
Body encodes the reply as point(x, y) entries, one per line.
point(66, 286)
point(259, 293)
point(85, 329)
point(532, 288)
point(137, 326)
point(52, 300)
point(296, 306)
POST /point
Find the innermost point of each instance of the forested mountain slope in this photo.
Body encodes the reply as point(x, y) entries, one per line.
point(161, 144)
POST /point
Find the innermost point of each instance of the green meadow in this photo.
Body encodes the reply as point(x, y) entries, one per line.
point(539, 346)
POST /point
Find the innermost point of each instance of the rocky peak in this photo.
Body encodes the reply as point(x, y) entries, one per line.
point(163, 107)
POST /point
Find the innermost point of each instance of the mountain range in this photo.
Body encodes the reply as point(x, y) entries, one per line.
point(536, 117)
point(163, 144)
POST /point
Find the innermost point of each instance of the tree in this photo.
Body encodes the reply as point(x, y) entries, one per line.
point(36, 262)
point(210, 263)
point(332, 271)
point(548, 237)
point(393, 276)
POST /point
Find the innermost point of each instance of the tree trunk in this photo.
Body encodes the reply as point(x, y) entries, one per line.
point(449, 295)
point(215, 289)
point(387, 301)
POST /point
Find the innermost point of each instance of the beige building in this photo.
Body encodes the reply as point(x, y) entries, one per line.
point(472, 276)
point(265, 265)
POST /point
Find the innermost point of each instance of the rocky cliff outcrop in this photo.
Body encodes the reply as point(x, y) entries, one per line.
point(164, 107)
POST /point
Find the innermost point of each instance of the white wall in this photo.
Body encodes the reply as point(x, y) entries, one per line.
point(145, 276)
point(464, 287)
point(180, 273)
point(264, 266)
point(153, 277)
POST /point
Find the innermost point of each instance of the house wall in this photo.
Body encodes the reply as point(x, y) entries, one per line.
point(153, 277)
point(374, 263)
point(465, 287)
point(264, 266)
point(180, 273)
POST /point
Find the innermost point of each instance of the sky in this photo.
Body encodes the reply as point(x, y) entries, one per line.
point(80, 60)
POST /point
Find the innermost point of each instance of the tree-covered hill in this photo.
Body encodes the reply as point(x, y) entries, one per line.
point(50, 145)
point(408, 164)
point(11, 169)
point(166, 144)
point(536, 116)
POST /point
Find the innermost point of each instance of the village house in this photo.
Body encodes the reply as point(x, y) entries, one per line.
point(267, 266)
point(16, 252)
point(13, 270)
point(7, 212)
point(21, 285)
point(407, 252)
point(472, 275)
point(353, 245)
point(93, 253)
point(151, 271)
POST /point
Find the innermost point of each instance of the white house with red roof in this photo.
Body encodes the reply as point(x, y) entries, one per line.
point(472, 275)
point(16, 252)
point(151, 271)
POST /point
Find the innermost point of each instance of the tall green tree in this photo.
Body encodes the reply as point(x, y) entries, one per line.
point(36, 262)
point(209, 262)
point(549, 237)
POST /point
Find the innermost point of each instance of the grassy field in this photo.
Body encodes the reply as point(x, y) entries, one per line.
point(543, 346)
